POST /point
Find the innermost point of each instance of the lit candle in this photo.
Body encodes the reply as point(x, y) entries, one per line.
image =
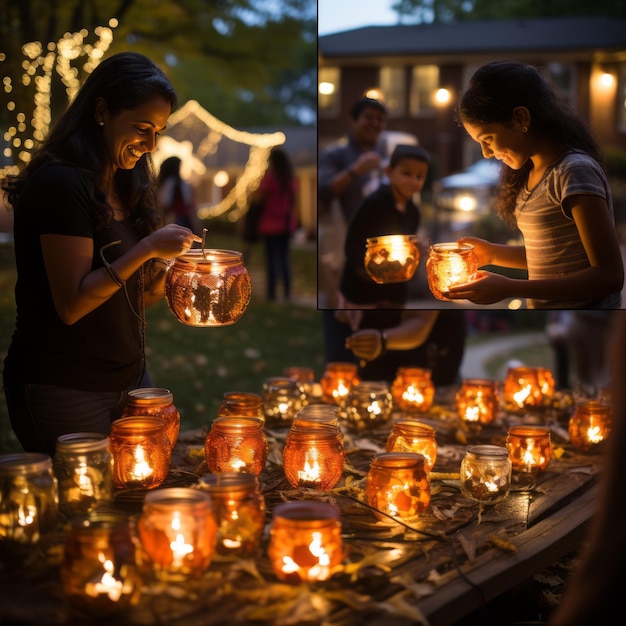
point(527, 387)
point(413, 390)
point(108, 584)
point(477, 401)
point(486, 473)
point(368, 404)
point(448, 265)
point(529, 448)
point(337, 380)
point(409, 435)
point(590, 425)
point(391, 258)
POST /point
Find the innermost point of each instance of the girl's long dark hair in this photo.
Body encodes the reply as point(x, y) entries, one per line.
point(494, 91)
point(124, 81)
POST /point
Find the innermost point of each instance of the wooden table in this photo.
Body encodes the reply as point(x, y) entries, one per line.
point(459, 556)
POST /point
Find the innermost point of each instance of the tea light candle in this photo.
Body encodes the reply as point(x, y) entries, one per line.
point(337, 380)
point(477, 400)
point(98, 571)
point(486, 473)
point(527, 387)
point(282, 399)
point(408, 435)
point(413, 390)
point(177, 532)
point(239, 509)
point(391, 258)
point(397, 484)
point(236, 444)
point(529, 448)
point(368, 404)
point(305, 541)
point(448, 265)
point(141, 452)
point(590, 425)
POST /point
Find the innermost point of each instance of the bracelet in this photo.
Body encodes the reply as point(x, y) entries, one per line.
point(383, 342)
point(107, 266)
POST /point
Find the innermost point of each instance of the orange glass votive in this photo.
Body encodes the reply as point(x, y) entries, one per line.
point(413, 390)
point(236, 444)
point(368, 404)
point(98, 570)
point(141, 452)
point(408, 435)
point(282, 399)
point(527, 387)
point(241, 404)
point(486, 473)
point(239, 509)
point(529, 448)
point(590, 425)
point(397, 485)
point(319, 413)
point(313, 456)
point(337, 380)
point(177, 533)
point(155, 402)
point(448, 265)
point(391, 258)
point(477, 400)
point(305, 541)
point(305, 377)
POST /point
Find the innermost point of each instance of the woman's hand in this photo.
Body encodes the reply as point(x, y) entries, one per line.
point(482, 249)
point(366, 344)
point(486, 288)
point(170, 241)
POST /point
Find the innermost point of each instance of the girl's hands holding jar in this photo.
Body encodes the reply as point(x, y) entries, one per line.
point(171, 241)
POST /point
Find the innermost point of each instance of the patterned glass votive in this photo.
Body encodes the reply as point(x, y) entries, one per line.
point(448, 265)
point(486, 473)
point(477, 401)
point(368, 404)
point(391, 258)
point(413, 390)
point(282, 399)
point(527, 387)
point(529, 448)
point(590, 425)
point(305, 377)
point(155, 402)
point(241, 404)
point(337, 380)
point(409, 435)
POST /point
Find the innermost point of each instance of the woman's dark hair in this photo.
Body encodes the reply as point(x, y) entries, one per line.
point(495, 90)
point(124, 81)
point(281, 166)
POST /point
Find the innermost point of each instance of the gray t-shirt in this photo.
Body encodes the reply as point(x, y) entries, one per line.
point(553, 245)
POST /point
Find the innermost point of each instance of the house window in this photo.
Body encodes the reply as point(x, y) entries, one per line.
point(424, 84)
point(562, 79)
point(392, 86)
point(328, 91)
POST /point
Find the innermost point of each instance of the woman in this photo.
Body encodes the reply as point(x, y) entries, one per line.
point(87, 250)
point(553, 188)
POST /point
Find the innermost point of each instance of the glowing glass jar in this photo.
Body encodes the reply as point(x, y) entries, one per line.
point(208, 287)
point(590, 425)
point(141, 452)
point(155, 402)
point(239, 509)
point(448, 265)
point(98, 571)
point(486, 473)
point(241, 404)
point(391, 258)
point(236, 444)
point(369, 404)
point(319, 413)
point(83, 467)
point(305, 377)
point(413, 390)
point(177, 532)
point(397, 485)
point(337, 380)
point(527, 387)
point(305, 541)
point(282, 399)
point(529, 448)
point(477, 401)
point(29, 498)
point(313, 456)
point(408, 435)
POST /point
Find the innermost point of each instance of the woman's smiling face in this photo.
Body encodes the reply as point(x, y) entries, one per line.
point(502, 141)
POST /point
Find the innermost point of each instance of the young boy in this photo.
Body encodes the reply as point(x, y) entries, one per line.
point(390, 210)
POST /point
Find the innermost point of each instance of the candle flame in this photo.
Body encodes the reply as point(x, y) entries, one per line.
point(142, 470)
point(522, 395)
point(180, 549)
point(341, 390)
point(311, 471)
point(594, 434)
point(107, 584)
point(412, 394)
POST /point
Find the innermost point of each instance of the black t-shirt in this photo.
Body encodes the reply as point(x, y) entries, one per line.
point(377, 216)
point(100, 352)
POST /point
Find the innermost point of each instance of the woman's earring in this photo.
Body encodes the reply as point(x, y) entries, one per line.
point(524, 129)
point(101, 123)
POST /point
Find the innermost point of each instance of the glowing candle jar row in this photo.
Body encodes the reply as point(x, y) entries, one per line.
point(368, 404)
point(337, 381)
point(177, 532)
point(305, 541)
point(448, 265)
point(590, 425)
point(477, 401)
point(413, 390)
point(397, 485)
point(529, 447)
point(391, 258)
point(408, 435)
point(486, 473)
point(527, 387)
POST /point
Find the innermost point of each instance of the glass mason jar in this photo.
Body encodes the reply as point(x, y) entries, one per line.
point(305, 377)
point(305, 541)
point(83, 467)
point(98, 570)
point(208, 287)
point(391, 258)
point(590, 425)
point(29, 497)
point(239, 509)
point(413, 390)
point(529, 448)
point(337, 380)
point(242, 404)
point(409, 435)
point(314, 456)
point(486, 473)
point(527, 387)
point(397, 484)
point(448, 265)
point(368, 404)
point(282, 399)
point(236, 444)
point(477, 400)
point(141, 452)
point(177, 533)
point(155, 402)
point(319, 413)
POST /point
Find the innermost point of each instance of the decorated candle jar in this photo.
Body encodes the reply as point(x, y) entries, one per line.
point(486, 473)
point(391, 258)
point(527, 387)
point(282, 399)
point(477, 400)
point(448, 265)
point(590, 425)
point(410, 435)
point(368, 404)
point(529, 447)
point(337, 380)
point(413, 390)
point(155, 402)
point(241, 404)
